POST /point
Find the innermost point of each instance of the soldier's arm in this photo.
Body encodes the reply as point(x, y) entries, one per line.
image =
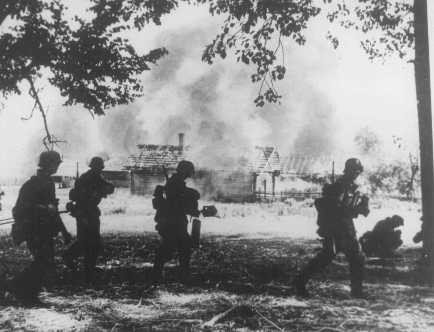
point(107, 187)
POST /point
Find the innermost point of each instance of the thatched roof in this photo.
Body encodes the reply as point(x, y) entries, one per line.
point(152, 156)
point(262, 159)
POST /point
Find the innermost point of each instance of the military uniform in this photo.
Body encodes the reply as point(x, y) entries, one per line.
point(172, 226)
point(38, 222)
point(384, 238)
point(336, 210)
point(88, 192)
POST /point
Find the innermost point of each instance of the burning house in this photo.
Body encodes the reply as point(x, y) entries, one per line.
point(147, 167)
point(234, 182)
point(260, 173)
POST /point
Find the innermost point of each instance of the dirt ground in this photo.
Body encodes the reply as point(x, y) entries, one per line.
point(249, 279)
point(241, 277)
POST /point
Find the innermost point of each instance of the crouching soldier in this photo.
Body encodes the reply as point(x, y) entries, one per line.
point(89, 189)
point(384, 238)
point(339, 204)
point(171, 218)
point(37, 222)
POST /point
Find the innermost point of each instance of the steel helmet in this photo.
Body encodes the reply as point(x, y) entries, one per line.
point(96, 163)
point(353, 164)
point(49, 158)
point(185, 167)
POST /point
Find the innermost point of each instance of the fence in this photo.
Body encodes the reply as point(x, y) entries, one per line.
point(281, 196)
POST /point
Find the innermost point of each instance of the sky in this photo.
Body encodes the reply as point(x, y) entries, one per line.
point(328, 96)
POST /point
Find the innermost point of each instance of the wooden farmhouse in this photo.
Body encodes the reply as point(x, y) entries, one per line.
point(148, 165)
point(261, 172)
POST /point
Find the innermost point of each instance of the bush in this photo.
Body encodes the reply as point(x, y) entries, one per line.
point(393, 178)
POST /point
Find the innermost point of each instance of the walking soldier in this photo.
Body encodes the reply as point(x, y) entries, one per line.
point(338, 206)
point(171, 218)
point(37, 222)
point(90, 188)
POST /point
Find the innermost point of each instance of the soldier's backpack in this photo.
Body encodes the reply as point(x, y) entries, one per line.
point(21, 228)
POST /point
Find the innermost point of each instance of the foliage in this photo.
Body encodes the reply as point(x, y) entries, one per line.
point(90, 64)
point(87, 60)
point(392, 18)
point(393, 178)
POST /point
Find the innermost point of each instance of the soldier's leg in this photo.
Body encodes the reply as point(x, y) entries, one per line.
point(163, 253)
point(27, 284)
point(77, 248)
point(92, 246)
point(356, 260)
point(184, 250)
point(315, 265)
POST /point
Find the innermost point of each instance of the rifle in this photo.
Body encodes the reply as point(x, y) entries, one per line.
point(11, 220)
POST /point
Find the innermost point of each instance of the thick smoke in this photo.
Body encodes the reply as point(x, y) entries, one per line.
point(212, 105)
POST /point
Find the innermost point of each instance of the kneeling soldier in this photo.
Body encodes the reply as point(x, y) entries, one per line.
point(384, 239)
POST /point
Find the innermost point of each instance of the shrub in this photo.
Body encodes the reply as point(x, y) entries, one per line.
point(393, 178)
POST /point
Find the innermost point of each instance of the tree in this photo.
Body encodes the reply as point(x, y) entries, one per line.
point(423, 94)
point(87, 61)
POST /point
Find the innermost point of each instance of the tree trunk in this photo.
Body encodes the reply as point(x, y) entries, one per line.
point(423, 94)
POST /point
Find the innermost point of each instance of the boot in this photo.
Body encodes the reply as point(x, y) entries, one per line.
point(300, 286)
point(157, 274)
point(185, 275)
point(357, 290)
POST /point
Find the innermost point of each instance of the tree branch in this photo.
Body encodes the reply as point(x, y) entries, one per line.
point(49, 140)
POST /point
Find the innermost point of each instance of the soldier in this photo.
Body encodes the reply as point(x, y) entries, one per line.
point(87, 193)
point(384, 239)
point(171, 218)
point(340, 203)
point(37, 221)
